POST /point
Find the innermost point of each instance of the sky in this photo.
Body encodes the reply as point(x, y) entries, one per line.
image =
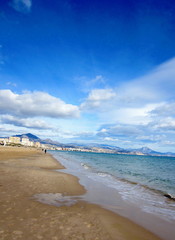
point(79, 71)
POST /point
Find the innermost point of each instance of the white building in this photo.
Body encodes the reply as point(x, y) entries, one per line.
point(3, 141)
point(14, 140)
point(37, 144)
point(32, 144)
point(25, 141)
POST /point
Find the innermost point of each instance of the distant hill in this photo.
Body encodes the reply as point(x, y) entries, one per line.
point(30, 136)
point(97, 145)
point(49, 141)
point(149, 151)
point(92, 146)
point(146, 150)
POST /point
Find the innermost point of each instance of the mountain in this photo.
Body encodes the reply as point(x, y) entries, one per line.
point(92, 146)
point(30, 136)
point(150, 152)
point(146, 150)
point(96, 145)
point(34, 138)
point(51, 142)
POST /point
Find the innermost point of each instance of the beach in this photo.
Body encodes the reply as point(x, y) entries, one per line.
point(26, 173)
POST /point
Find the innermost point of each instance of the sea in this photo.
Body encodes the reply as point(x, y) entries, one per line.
point(123, 183)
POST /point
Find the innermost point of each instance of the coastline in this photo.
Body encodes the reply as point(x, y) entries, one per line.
point(147, 209)
point(28, 172)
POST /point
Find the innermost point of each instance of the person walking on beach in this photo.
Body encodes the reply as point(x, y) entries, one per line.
point(45, 150)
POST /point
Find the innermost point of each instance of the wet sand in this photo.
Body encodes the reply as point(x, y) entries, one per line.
point(26, 172)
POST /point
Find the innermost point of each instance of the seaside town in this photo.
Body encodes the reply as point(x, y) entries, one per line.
point(31, 141)
point(17, 141)
point(26, 142)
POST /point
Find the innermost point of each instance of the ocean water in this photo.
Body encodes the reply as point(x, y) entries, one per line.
point(139, 180)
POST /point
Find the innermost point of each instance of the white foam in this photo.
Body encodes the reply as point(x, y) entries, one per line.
point(85, 166)
point(102, 174)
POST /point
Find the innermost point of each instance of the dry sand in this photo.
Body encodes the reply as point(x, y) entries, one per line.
point(25, 172)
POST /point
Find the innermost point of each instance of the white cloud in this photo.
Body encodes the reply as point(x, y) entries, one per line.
point(66, 134)
point(133, 101)
point(120, 130)
point(98, 98)
point(7, 131)
point(130, 115)
point(170, 143)
point(103, 130)
point(101, 95)
point(23, 6)
point(27, 122)
point(32, 104)
point(153, 87)
point(110, 139)
point(165, 109)
point(151, 137)
point(166, 124)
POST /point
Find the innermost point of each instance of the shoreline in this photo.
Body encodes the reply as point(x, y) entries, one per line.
point(25, 173)
point(108, 197)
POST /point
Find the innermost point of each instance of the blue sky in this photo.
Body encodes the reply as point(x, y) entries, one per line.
point(89, 71)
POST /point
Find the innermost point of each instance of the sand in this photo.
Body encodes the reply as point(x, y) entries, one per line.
point(26, 173)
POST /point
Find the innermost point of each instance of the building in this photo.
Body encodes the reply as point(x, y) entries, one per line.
point(32, 144)
point(25, 141)
point(16, 140)
point(43, 146)
point(59, 148)
point(3, 141)
point(37, 144)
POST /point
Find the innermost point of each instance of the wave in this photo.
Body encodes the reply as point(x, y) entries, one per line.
point(144, 186)
point(85, 166)
point(101, 174)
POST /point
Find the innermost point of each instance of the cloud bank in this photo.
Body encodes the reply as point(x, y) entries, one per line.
point(98, 98)
point(24, 122)
point(35, 104)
